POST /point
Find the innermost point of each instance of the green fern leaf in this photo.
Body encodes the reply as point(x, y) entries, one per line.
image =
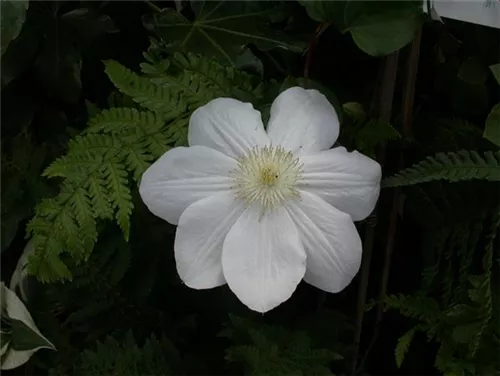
point(403, 345)
point(143, 91)
point(463, 165)
point(116, 182)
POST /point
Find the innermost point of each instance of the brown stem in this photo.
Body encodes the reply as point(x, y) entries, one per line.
point(310, 50)
point(382, 107)
point(407, 113)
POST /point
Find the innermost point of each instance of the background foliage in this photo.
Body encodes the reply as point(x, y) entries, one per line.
point(94, 92)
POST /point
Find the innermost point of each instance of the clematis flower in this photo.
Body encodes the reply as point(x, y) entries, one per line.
point(261, 210)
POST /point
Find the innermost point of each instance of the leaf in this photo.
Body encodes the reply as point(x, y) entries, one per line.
point(12, 20)
point(463, 165)
point(220, 29)
point(380, 28)
point(23, 338)
point(89, 23)
point(473, 71)
point(492, 128)
point(355, 111)
point(403, 344)
point(20, 53)
point(326, 11)
point(495, 69)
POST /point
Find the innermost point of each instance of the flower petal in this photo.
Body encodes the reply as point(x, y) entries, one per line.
point(227, 125)
point(183, 176)
point(199, 238)
point(13, 359)
point(348, 181)
point(263, 259)
point(303, 121)
point(331, 241)
point(16, 310)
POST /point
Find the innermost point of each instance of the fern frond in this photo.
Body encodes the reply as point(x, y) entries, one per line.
point(416, 306)
point(119, 142)
point(201, 80)
point(153, 97)
point(404, 344)
point(463, 165)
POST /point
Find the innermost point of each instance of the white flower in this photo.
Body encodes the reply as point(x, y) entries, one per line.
point(15, 317)
point(262, 211)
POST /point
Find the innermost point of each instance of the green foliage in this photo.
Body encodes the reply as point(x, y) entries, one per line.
point(492, 127)
point(120, 143)
point(273, 350)
point(463, 165)
point(326, 11)
point(52, 43)
point(220, 29)
point(457, 310)
point(403, 345)
point(473, 71)
point(22, 187)
point(365, 134)
point(377, 28)
point(125, 357)
point(495, 70)
point(13, 15)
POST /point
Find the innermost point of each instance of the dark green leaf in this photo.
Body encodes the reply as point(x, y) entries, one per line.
point(19, 54)
point(326, 11)
point(380, 28)
point(355, 111)
point(492, 129)
point(466, 332)
point(24, 338)
point(403, 344)
point(12, 20)
point(495, 69)
point(89, 23)
point(220, 29)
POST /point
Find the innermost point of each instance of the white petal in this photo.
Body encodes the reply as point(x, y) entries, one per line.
point(348, 181)
point(227, 125)
point(263, 259)
point(20, 279)
point(331, 242)
point(303, 121)
point(18, 311)
point(183, 176)
point(13, 359)
point(199, 239)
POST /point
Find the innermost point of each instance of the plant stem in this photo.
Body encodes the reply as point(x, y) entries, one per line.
point(382, 107)
point(152, 6)
point(407, 114)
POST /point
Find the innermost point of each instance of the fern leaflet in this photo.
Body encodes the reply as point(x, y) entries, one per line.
point(463, 165)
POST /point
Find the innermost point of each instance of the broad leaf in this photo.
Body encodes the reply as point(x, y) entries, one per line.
point(326, 11)
point(380, 28)
point(473, 71)
point(495, 69)
point(220, 29)
point(23, 338)
point(492, 129)
point(13, 14)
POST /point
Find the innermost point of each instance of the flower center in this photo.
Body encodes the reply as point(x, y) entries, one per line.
point(267, 176)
